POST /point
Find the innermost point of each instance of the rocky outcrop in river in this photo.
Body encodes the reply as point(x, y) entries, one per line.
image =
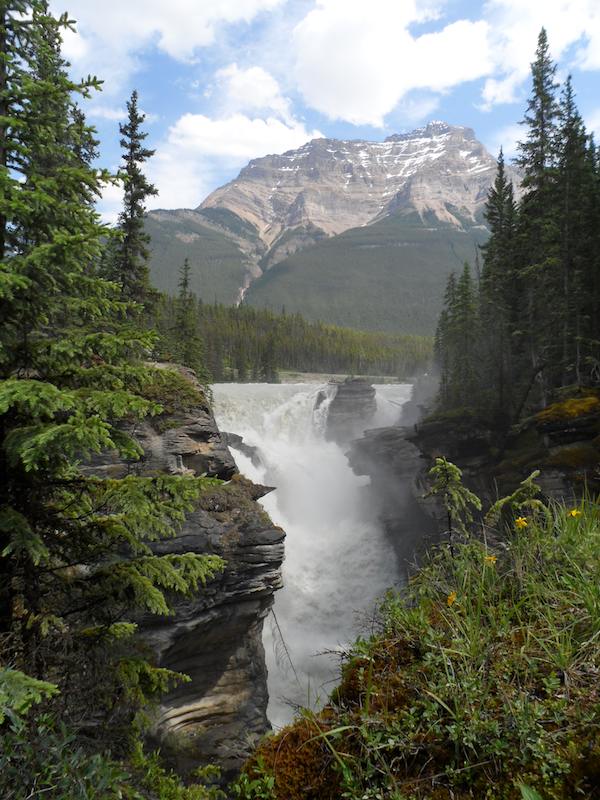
point(396, 468)
point(350, 411)
point(214, 637)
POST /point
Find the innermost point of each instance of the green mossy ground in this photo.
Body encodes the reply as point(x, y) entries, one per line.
point(482, 680)
point(177, 395)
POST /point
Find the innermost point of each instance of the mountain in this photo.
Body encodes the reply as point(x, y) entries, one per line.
point(352, 232)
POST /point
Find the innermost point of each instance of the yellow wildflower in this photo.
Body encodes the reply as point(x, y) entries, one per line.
point(574, 512)
point(451, 598)
point(521, 522)
point(490, 559)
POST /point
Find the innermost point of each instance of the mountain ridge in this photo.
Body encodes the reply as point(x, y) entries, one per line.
point(282, 209)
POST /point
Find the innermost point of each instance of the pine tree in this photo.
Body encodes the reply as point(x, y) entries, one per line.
point(456, 342)
point(500, 300)
point(538, 252)
point(589, 342)
point(188, 348)
point(129, 258)
point(574, 187)
point(76, 561)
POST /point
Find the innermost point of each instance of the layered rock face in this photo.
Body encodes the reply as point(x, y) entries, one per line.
point(216, 636)
point(328, 186)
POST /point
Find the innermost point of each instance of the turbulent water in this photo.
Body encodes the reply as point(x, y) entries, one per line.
point(338, 559)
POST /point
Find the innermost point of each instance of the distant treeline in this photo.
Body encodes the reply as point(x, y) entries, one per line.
point(249, 344)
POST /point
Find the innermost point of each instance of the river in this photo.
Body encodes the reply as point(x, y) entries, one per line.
point(338, 559)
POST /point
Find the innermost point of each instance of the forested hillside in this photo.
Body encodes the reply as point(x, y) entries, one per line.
point(248, 344)
point(387, 276)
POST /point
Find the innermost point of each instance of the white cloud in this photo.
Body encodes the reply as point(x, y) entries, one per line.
point(198, 149)
point(506, 138)
point(96, 111)
point(252, 89)
point(112, 34)
point(514, 27)
point(357, 60)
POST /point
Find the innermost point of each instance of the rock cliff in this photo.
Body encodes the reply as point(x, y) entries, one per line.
point(328, 186)
point(216, 636)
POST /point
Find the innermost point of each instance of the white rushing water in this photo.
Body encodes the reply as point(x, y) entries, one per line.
point(338, 560)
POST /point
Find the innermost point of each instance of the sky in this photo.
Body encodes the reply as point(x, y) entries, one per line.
point(225, 81)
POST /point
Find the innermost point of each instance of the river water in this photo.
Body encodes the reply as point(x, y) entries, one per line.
point(338, 559)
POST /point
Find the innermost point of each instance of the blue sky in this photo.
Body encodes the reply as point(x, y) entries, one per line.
point(224, 81)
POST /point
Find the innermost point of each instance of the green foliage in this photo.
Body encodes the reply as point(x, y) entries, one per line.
point(245, 343)
point(260, 787)
point(479, 682)
point(446, 480)
point(527, 793)
point(524, 500)
point(78, 560)
point(46, 760)
point(165, 785)
point(18, 692)
point(535, 319)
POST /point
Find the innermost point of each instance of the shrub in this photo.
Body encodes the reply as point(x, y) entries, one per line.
point(481, 681)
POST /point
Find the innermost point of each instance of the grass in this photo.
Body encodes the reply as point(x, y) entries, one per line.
point(481, 682)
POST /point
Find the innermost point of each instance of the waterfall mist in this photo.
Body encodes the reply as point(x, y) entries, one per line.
point(338, 559)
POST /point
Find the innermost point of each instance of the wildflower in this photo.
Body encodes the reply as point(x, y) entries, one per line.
point(521, 522)
point(451, 598)
point(574, 512)
point(490, 559)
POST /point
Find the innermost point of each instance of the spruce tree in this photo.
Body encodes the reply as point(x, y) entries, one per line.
point(76, 558)
point(188, 348)
point(589, 342)
point(574, 188)
point(538, 252)
point(129, 257)
point(500, 295)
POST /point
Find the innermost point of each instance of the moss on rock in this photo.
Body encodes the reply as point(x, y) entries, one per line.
point(570, 409)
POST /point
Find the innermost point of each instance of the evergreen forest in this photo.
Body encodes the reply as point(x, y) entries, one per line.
point(244, 343)
point(508, 339)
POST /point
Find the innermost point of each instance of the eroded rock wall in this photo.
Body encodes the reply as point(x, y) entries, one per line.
point(214, 637)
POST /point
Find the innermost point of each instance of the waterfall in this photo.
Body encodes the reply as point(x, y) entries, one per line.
point(338, 559)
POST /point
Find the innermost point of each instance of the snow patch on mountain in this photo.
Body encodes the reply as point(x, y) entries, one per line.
point(438, 171)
